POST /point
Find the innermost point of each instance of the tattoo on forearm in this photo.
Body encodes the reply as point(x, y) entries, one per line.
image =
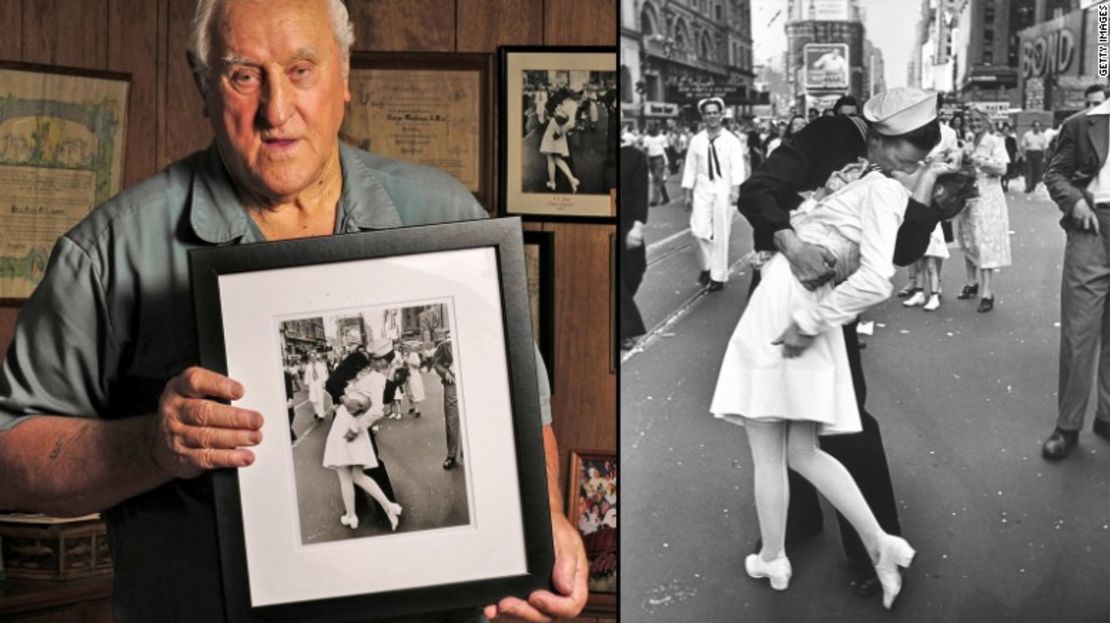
point(57, 451)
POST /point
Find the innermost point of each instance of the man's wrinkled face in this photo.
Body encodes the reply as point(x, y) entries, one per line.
point(277, 93)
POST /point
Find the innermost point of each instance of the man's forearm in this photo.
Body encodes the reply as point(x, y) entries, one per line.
point(551, 458)
point(71, 466)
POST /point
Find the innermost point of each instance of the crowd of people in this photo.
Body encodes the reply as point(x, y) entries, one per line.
point(358, 386)
point(835, 207)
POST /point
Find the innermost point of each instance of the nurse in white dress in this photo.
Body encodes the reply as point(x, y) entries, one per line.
point(348, 450)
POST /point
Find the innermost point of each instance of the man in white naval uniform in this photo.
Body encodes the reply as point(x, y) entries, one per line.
point(711, 179)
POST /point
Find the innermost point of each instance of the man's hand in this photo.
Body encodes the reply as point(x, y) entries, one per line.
point(811, 264)
point(193, 432)
point(793, 341)
point(568, 576)
point(635, 237)
point(1083, 217)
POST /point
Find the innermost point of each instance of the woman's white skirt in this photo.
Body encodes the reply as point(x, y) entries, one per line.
point(338, 452)
point(756, 381)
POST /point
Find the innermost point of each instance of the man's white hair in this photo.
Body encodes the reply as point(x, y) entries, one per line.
point(200, 32)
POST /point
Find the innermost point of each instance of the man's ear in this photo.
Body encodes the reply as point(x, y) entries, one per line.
point(194, 69)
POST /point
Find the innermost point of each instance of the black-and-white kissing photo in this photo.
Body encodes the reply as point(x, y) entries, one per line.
point(374, 421)
point(566, 119)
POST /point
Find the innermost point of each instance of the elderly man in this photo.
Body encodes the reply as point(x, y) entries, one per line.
point(711, 180)
point(898, 130)
point(101, 405)
point(1078, 178)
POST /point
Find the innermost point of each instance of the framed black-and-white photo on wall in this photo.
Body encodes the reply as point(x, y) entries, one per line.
point(539, 263)
point(558, 132)
point(401, 468)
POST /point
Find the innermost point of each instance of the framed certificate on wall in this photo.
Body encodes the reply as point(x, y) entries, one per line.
point(426, 108)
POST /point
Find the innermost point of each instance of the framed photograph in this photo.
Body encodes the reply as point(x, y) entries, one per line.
point(592, 508)
point(558, 129)
point(428, 108)
point(539, 263)
point(402, 466)
point(61, 153)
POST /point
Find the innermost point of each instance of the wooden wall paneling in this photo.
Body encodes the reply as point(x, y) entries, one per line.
point(11, 24)
point(57, 32)
point(8, 316)
point(580, 22)
point(584, 399)
point(186, 127)
point(403, 25)
point(133, 48)
point(485, 24)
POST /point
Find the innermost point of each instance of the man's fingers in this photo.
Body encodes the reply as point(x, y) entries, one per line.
point(512, 608)
point(218, 438)
point(198, 382)
point(210, 458)
point(557, 606)
point(207, 413)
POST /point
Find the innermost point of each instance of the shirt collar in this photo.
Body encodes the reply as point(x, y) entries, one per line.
point(218, 217)
point(1101, 109)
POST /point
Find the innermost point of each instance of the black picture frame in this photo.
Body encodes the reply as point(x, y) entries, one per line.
point(402, 247)
point(544, 292)
point(519, 194)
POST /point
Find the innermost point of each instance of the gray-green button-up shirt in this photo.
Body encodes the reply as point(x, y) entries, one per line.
point(112, 321)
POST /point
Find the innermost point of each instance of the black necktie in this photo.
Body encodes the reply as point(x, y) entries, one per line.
point(714, 162)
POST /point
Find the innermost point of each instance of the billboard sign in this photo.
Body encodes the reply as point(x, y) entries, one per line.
point(826, 66)
point(828, 10)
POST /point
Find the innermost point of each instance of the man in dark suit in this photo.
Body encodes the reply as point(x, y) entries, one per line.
point(898, 130)
point(633, 216)
point(1078, 179)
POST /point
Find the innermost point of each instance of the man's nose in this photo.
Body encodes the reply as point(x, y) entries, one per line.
point(277, 100)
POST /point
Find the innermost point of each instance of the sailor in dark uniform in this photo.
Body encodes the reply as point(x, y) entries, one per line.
point(898, 130)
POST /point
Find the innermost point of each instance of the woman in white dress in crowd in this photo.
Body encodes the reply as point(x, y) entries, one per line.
point(347, 449)
point(414, 388)
point(984, 227)
point(554, 143)
point(785, 376)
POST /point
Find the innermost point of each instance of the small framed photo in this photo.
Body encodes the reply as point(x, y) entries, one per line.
point(592, 507)
point(558, 129)
point(429, 108)
point(539, 262)
point(402, 466)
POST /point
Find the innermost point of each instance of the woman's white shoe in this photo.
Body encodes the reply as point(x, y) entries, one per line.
point(894, 552)
point(349, 520)
point(916, 300)
point(778, 570)
point(394, 514)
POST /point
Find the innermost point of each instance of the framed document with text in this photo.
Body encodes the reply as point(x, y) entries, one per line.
point(61, 153)
point(422, 536)
point(426, 108)
point(558, 132)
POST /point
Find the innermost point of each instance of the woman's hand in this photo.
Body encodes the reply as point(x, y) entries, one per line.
point(793, 341)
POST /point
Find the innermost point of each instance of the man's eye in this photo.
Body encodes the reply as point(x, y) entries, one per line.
point(244, 78)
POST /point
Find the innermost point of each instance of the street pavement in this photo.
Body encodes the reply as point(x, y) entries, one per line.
point(964, 401)
point(413, 450)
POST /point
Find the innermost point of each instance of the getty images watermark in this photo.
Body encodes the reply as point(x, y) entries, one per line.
point(1103, 40)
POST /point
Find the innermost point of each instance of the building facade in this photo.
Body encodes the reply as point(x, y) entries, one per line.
point(1058, 57)
point(676, 52)
point(986, 48)
point(807, 44)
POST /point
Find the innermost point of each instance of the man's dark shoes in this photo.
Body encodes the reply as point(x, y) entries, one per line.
point(969, 291)
point(628, 343)
point(703, 278)
point(1060, 444)
point(1102, 429)
point(715, 285)
point(449, 463)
